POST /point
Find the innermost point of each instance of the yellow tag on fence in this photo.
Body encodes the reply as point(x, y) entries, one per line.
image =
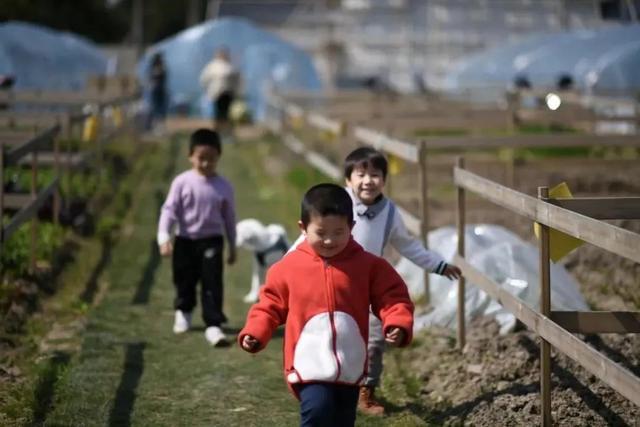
point(560, 244)
point(506, 154)
point(297, 122)
point(328, 136)
point(90, 130)
point(395, 164)
point(117, 117)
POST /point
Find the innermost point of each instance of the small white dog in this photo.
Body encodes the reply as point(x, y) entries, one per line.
point(268, 245)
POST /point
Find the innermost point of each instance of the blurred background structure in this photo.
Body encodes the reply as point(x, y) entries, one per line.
point(406, 45)
point(533, 94)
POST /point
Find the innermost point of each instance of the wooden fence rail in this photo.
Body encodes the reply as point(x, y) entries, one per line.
point(30, 209)
point(598, 233)
point(53, 122)
point(62, 99)
point(556, 327)
point(499, 109)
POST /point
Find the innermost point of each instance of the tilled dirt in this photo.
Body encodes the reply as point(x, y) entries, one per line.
point(495, 380)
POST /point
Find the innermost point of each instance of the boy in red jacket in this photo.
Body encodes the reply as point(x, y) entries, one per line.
point(322, 292)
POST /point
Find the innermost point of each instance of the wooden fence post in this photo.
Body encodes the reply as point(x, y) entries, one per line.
point(281, 114)
point(510, 167)
point(424, 210)
point(460, 223)
point(1, 200)
point(545, 310)
point(99, 142)
point(513, 104)
point(34, 220)
point(69, 137)
point(388, 187)
point(56, 194)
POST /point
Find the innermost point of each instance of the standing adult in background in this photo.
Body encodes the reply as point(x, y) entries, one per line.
point(6, 83)
point(220, 79)
point(158, 90)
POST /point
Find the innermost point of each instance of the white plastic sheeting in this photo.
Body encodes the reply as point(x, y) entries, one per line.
point(597, 60)
point(494, 67)
point(42, 58)
point(504, 258)
point(264, 60)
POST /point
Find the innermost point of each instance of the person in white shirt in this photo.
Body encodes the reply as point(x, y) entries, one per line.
point(378, 224)
point(221, 79)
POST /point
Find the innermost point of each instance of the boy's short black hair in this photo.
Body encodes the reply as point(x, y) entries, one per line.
point(207, 137)
point(324, 200)
point(363, 157)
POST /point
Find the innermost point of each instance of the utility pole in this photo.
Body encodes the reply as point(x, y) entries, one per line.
point(564, 15)
point(193, 13)
point(213, 7)
point(137, 26)
point(633, 12)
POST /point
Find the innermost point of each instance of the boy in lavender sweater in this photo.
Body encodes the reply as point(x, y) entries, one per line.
point(200, 202)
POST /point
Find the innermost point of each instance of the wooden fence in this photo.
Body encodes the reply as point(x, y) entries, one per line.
point(37, 100)
point(580, 218)
point(34, 130)
point(401, 115)
point(287, 118)
point(28, 205)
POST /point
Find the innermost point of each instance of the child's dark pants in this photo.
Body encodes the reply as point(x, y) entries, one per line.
point(199, 260)
point(327, 405)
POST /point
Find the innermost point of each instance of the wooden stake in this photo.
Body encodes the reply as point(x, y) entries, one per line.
point(424, 211)
point(545, 310)
point(34, 220)
point(1, 200)
point(460, 222)
point(56, 194)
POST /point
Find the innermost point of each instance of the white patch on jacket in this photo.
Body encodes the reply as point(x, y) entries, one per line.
point(255, 237)
point(314, 357)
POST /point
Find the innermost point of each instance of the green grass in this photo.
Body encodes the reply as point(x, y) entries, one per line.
point(423, 133)
point(129, 368)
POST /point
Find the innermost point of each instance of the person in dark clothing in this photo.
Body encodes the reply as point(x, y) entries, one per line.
point(158, 90)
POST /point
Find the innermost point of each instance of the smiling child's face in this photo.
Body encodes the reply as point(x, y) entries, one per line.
point(366, 182)
point(204, 159)
point(327, 235)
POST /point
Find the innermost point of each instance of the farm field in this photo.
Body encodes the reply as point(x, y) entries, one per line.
point(117, 362)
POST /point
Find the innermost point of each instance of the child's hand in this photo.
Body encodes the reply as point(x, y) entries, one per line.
point(249, 343)
point(166, 249)
point(231, 258)
point(452, 272)
point(395, 336)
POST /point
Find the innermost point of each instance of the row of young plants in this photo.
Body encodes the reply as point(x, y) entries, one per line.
point(41, 346)
point(84, 195)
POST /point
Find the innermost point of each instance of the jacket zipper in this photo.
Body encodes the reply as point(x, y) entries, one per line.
point(331, 308)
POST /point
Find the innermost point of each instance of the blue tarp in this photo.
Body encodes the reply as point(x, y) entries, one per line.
point(262, 58)
point(42, 58)
point(597, 60)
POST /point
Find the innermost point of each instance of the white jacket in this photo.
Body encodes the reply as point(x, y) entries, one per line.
point(218, 76)
point(373, 234)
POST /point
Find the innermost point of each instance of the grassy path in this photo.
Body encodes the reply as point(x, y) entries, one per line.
point(132, 370)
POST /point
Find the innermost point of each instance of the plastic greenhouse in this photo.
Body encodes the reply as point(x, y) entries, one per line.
point(598, 61)
point(41, 58)
point(263, 60)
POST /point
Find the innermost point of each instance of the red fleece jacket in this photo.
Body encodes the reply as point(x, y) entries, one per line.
point(325, 306)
